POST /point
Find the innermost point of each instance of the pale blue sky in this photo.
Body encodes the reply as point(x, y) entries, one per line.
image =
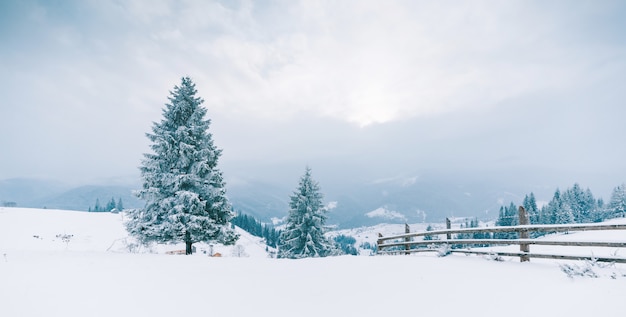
point(357, 88)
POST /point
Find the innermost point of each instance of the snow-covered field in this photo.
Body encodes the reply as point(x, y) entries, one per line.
point(95, 274)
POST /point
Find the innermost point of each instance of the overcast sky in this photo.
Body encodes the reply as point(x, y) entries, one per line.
point(375, 88)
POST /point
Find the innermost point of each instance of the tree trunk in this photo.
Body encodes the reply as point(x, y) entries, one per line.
point(188, 243)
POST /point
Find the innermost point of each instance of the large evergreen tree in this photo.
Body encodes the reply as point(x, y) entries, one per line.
point(182, 186)
point(304, 234)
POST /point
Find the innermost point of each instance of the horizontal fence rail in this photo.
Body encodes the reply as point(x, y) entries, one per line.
point(537, 228)
point(405, 242)
point(511, 241)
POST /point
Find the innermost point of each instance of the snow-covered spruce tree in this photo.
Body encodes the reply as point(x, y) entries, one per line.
point(304, 234)
point(617, 204)
point(182, 186)
point(582, 203)
point(559, 210)
point(530, 205)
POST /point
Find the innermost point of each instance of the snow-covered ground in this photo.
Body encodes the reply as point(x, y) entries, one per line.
point(95, 274)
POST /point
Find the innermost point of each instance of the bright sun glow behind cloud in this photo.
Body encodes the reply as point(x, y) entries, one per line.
point(378, 62)
point(364, 62)
point(95, 74)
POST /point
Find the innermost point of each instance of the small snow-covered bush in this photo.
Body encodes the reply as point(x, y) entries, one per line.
point(239, 251)
point(572, 270)
point(132, 246)
point(65, 238)
point(443, 250)
point(593, 269)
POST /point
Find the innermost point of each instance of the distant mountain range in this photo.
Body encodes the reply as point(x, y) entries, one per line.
point(53, 194)
point(395, 200)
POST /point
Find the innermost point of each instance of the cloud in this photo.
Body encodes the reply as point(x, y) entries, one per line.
point(331, 205)
point(363, 62)
point(385, 213)
point(391, 83)
point(399, 180)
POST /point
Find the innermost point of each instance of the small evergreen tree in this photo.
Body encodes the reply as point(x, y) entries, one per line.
point(110, 205)
point(508, 217)
point(182, 186)
point(559, 210)
point(617, 204)
point(582, 203)
point(120, 205)
point(530, 205)
point(430, 237)
point(304, 233)
point(346, 244)
point(564, 214)
point(553, 207)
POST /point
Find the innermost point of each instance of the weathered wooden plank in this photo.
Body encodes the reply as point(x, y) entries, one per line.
point(545, 256)
point(519, 254)
point(404, 251)
point(509, 242)
point(540, 228)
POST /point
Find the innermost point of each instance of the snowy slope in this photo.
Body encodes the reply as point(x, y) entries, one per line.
point(590, 236)
point(369, 234)
point(44, 276)
point(43, 230)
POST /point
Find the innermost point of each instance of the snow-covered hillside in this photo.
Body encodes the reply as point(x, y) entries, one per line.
point(369, 234)
point(42, 273)
point(75, 231)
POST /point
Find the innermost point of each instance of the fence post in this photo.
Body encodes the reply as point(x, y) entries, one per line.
point(379, 242)
point(407, 239)
point(523, 234)
point(448, 226)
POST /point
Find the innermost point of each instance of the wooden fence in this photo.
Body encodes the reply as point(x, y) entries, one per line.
point(404, 243)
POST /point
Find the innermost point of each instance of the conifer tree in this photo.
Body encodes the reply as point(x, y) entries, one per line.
point(530, 205)
point(559, 209)
point(429, 237)
point(182, 186)
point(565, 214)
point(617, 204)
point(304, 234)
point(508, 217)
point(110, 205)
point(582, 203)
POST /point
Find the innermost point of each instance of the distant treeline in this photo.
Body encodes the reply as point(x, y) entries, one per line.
point(256, 228)
point(110, 206)
point(8, 204)
point(574, 205)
